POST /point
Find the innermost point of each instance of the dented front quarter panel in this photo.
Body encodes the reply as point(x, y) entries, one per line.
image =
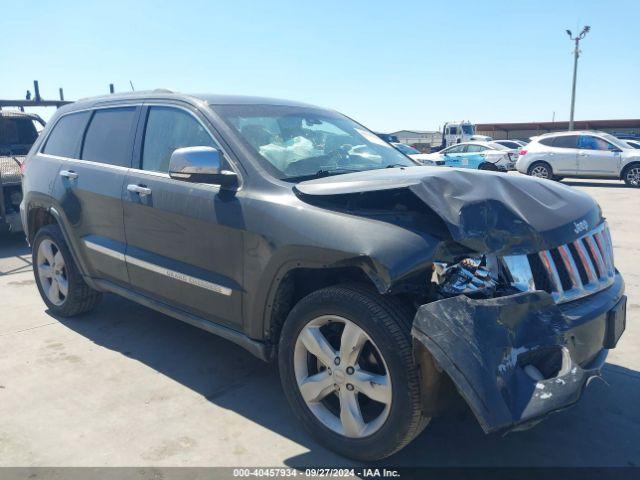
point(484, 346)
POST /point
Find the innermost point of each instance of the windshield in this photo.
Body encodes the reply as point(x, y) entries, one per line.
point(17, 134)
point(616, 141)
point(295, 143)
point(467, 129)
point(406, 149)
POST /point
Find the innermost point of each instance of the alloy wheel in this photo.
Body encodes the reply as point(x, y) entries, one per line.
point(342, 376)
point(540, 172)
point(52, 272)
point(633, 176)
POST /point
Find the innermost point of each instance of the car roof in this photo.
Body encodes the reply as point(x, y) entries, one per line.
point(571, 132)
point(160, 94)
point(484, 143)
point(18, 114)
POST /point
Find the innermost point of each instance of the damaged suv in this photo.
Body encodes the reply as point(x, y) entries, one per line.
point(18, 132)
point(378, 286)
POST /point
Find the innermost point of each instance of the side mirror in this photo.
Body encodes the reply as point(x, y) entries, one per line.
point(200, 165)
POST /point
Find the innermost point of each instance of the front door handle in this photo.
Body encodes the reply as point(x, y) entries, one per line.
point(139, 189)
point(70, 174)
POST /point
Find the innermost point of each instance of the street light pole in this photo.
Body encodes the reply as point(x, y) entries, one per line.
point(576, 54)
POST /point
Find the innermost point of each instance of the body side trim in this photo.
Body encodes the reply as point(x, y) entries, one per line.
point(182, 277)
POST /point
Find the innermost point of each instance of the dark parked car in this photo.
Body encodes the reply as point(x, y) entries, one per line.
point(379, 287)
point(18, 131)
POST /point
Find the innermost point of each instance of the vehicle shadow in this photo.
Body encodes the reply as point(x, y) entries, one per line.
point(602, 430)
point(611, 184)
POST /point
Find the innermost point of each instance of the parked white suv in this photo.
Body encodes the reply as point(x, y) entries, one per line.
point(580, 154)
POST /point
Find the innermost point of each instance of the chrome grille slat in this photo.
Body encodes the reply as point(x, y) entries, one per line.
point(571, 266)
point(579, 255)
point(586, 261)
point(591, 243)
point(550, 266)
point(603, 251)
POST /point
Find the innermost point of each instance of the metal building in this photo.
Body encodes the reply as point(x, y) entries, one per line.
point(523, 131)
point(419, 137)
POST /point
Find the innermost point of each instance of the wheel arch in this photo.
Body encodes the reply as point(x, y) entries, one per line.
point(38, 217)
point(486, 165)
point(293, 282)
point(536, 162)
point(40, 213)
point(632, 163)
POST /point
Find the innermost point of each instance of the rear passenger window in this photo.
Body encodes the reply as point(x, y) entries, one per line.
point(456, 149)
point(167, 130)
point(566, 141)
point(108, 139)
point(66, 136)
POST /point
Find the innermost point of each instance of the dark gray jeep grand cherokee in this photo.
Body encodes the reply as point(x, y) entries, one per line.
point(379, 286)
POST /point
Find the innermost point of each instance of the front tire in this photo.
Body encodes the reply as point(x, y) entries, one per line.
point(631, 175)
point(347, 370)
point(61, 285)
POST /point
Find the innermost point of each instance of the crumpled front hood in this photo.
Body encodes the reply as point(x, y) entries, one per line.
point(487, 212)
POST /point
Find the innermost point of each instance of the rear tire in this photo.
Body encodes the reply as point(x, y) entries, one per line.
point(61, 285)
point(631, 175)
point(385, 324)
point(541, 170)
point(488, 166)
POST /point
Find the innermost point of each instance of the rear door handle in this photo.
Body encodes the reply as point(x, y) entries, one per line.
point(139, 189)
point(70, 174)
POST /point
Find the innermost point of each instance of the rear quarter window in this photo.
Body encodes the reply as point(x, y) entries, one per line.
point(546, 141)
point(108, 138)
point(566, 141)
point(66, 136)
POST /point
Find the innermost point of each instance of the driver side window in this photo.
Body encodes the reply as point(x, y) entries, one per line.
point(168, 129)
point(588, 142)
point(475, 148)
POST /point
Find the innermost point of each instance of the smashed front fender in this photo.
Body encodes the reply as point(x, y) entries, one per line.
point(511, 358)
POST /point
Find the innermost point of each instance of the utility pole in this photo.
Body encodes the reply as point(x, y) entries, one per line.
point(576, 54)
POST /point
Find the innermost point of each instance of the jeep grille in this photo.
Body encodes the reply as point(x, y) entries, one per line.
point(576, 269)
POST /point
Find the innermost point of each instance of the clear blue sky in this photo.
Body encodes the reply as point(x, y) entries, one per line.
point(391, 65)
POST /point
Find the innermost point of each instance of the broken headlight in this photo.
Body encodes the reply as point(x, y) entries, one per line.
point(470, 275)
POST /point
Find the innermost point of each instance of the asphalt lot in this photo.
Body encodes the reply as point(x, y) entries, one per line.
point(126, 386)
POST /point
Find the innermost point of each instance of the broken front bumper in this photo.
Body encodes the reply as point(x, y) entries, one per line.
point(517, 358)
